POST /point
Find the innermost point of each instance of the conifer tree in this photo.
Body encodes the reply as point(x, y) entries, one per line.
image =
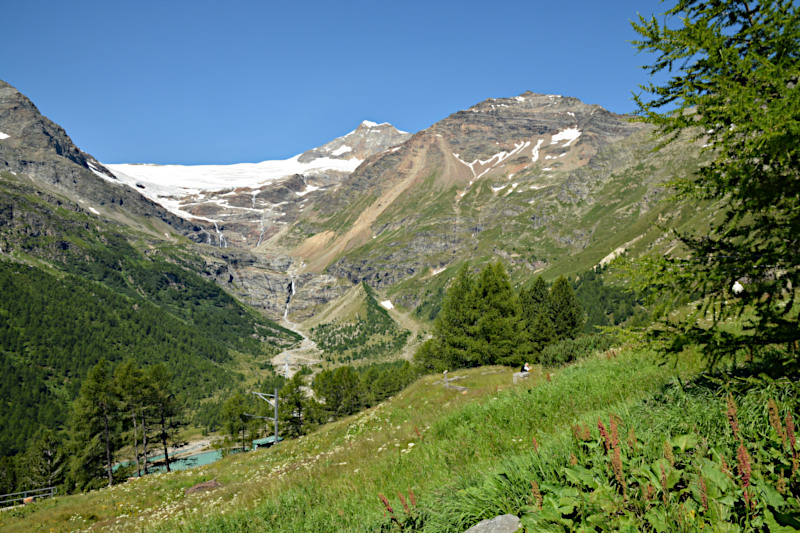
point(340, 389)
point(293, 408)
point(165, 407)
point(8, 475)
point(455, 327)
point(534, 301)
point(499, 330)
point(133, 390)
point(236, 421)
point(565, 310)
point(536, 316)
point(43, 463)
point(95, 426)
point(733, 85)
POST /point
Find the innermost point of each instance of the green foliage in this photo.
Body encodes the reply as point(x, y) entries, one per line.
point(565, 311)
point(95, 428)
point(44, 462)
point(453, 345)
point(235, 419)
point(483, 322)
point(294, 408)
point(568, 350)
point(733, 86)
point(498, 327)
point(339, 390)
point(54, 328)
point(375, 334)
point(724, 480)
point(607, 304)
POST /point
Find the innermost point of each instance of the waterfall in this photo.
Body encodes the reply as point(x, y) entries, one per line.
point(289, 298)
point(222, 243)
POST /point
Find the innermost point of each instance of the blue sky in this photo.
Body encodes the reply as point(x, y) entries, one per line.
point(196, 82)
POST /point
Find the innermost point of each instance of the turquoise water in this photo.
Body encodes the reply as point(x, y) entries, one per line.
point(184, 463)
point(205, 458)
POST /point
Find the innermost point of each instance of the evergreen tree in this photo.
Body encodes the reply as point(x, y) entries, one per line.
point(95, 428)
point(293, 408)
point(565, 310)
point(340, 390)
point(165, 407)
point(535, 312)
point(236, 421)
point(455, 327)
point(8, 475)
point(499, 330)
point(541, 333)
point(133, 390)
point(43, 463)
point(733, 68)
point(534, 301)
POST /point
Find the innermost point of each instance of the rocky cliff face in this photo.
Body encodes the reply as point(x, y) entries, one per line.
point(537, 180)
point(366, 140)
point(33, 145)
point(244, 205)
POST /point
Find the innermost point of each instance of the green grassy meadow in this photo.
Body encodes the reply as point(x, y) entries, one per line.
point(431, 441)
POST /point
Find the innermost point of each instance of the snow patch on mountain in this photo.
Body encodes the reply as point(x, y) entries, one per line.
point(342, 150)
point(164, 183)
point(4, 136)
point(569, 135)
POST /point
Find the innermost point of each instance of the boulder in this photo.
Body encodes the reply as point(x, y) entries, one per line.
point(507, 523)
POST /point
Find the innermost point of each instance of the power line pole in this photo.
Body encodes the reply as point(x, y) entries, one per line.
point(274, 402)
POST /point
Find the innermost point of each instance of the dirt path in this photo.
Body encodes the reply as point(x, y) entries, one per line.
point(288, 362)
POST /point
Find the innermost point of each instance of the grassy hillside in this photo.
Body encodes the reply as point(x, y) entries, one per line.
point(428, 439)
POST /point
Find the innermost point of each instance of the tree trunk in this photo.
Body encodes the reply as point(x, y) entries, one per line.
point(144, 442)
point(108, 449)
point(164, 436)
point(136, 444)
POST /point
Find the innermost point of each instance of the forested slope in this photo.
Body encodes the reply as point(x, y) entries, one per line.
point(76, 289)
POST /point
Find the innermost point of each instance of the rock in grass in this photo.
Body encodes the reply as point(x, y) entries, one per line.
point(206, 485)
point(507, 523)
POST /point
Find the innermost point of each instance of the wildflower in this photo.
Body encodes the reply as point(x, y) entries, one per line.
point(386, 503)
point(604, 434)
point(703, 492)
point(572, 459)
point(535, 445)
point(775, 420)
point(724, 466)
point(614, 434)
point(781, 484)
point(733, 419)
point(664, 484)
point(403, 501)
point(412, 498)
point(649, 492)
point(537, 495)
point(668, 453)
point(616, 464)
point(743, 459)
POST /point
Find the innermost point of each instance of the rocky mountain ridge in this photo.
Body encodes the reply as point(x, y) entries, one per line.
point(534, 179)
point(541, 181)
point(33, 145)
point(245, 204)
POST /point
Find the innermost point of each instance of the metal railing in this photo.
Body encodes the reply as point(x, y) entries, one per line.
point(9, 499)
